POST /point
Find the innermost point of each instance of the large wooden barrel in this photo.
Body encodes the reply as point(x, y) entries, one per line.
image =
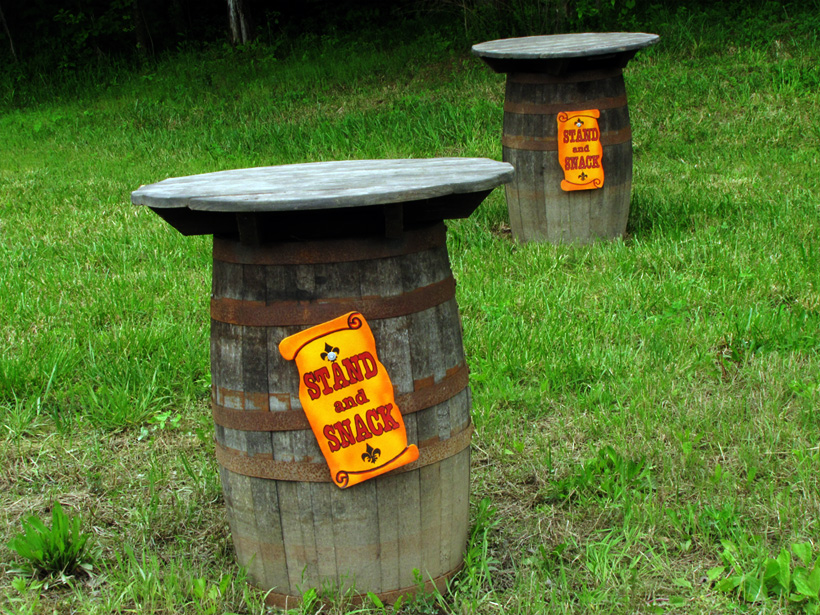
point(539, 209)
point(291, 526)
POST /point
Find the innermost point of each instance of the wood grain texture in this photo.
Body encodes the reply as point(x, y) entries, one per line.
point(370, 537)
point(565, 45)
point(325, 185)
point(539, 209)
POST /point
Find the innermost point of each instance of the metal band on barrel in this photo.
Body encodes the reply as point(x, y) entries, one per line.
point(262, 466)
point(550, 144)
point(292, 420)
point(330, 251)
point(529, 108)
point(287, 601)
point(573, 77)
point(286, 313)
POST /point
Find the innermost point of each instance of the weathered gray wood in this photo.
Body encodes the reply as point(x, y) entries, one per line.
point(325, 185)
point(460, 503)
point(431, 497)
point(539, 209)
point(388, 492)
point(407, 516)
point(291, 533)
point(565, 45)
point(450, 537)
point(267, 537)
point(552, 74)
point(376, 533)
point(323, 529)
point(356, 536)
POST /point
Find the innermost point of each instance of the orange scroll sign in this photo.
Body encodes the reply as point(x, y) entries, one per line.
point(348, 399)
point(580, 150)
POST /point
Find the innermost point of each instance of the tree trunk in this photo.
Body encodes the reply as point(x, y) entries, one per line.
point(562, 14)
point(6, 29)
point(240, 22)
point(141, 34)
point(180, 16)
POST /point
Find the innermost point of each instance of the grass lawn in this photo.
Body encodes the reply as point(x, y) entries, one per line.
point(647, 411)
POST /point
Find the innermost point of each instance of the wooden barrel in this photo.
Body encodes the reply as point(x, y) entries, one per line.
point(292, 528)
point(539, 209)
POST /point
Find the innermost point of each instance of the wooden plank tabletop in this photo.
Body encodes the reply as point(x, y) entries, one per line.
point(559, 46)
point(325, 185)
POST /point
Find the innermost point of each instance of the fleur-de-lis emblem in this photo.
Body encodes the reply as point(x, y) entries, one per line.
point(579, 123)
point(371, 455)
point(330, 353)
point(583, 176)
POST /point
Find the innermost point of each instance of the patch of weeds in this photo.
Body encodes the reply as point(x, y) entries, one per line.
point(310, 601)
point(719, 522)
point(57, 552)
point(421, 602)
point(548, 560)
point(122, 401)
point(332, 599)
point(475, 581)
point(376, 602)
point(22, 418)
point(28, 602)
point(208, 596)
point(205, 479)
point(161, 421)
point(707, 523)
point(609, 475)
point(145, 589)
point(26, 416)
point(793, 580)
point(807, 392)
point(689, 441)
point(783, 329)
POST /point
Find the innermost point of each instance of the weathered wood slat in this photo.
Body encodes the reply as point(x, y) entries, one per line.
point(408, 518)
point(324, 532)
point(460, 504)
point(388, 492)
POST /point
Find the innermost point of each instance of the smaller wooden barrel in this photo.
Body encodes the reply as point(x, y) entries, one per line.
point(539, 209)
point(291, 526)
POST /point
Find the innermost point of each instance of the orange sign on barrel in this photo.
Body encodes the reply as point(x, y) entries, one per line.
point(580, 150)
point(348, 398)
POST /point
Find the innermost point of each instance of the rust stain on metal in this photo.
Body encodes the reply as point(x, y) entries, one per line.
point(550, 144)
point(286, 601)
point(334, 251)
point(574, 77)
point(263, 466)
point(527, 108)
point(454, 382)
point(287, 313)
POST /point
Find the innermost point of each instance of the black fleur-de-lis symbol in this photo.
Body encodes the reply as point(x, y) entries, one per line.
point(331, 353)
point(579, 123)
point(583, 176)
point(371, 455)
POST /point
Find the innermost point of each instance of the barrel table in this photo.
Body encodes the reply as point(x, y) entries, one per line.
point(546, 77)
point(295, 246)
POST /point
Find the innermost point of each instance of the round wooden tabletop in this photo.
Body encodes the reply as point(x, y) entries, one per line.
point(559, 46)
point(324, 199)
point(325, 185)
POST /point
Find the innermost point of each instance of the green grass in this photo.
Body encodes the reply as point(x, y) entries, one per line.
point(639, 404)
